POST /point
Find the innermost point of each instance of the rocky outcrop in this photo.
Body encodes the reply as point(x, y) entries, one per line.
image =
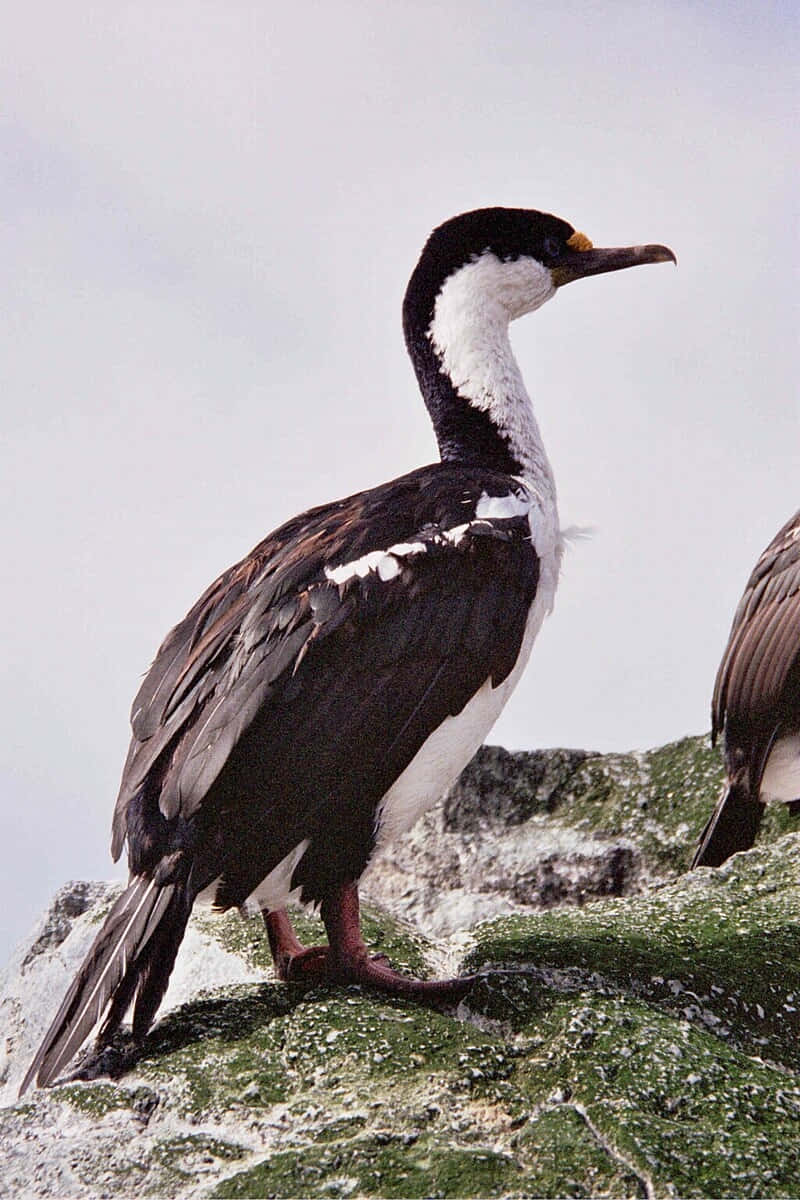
point(633, 1032)
point(524, 831)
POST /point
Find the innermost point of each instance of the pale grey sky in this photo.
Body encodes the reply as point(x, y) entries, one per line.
point(208, 214)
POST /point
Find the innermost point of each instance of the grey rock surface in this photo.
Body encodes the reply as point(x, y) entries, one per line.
point(634, 1031)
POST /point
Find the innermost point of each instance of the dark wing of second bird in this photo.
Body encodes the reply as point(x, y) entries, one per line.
point(284, 705)
point(757, 691)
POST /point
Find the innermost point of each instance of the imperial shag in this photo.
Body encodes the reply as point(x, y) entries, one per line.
point(332, 684)
point(756, 703)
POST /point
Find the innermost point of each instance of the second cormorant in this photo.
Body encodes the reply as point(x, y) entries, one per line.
point(756, 703)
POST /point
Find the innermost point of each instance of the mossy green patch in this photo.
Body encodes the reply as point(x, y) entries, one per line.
point(669, 1023)
point(719, 948)
point(561, 1156)
point(244, 936)
point(183, 1154)
point(340, 1128)
point(223, 1052)
point(660, 799)
point(256, 1046)
point(621, 1055)
point(99, 1099)
point(370, 1167)
point(680, 1107)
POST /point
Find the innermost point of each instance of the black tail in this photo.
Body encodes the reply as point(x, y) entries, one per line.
point(733, 826)
point(133, 953)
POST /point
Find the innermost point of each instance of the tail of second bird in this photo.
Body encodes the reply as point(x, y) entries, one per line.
point(132, 955)
point(733, 826)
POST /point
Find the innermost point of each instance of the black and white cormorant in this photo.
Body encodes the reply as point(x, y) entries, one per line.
point(333, 683)
point(756, 703)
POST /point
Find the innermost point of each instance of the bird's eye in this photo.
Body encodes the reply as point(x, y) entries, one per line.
point(552, 247)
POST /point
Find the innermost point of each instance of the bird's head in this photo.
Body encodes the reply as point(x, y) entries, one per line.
point(476, 273)
point(514, 259)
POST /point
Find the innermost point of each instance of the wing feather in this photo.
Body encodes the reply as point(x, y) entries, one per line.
point(280, 679)
point(756, 690)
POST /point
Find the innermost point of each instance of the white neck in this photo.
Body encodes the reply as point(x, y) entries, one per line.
point(469, 333)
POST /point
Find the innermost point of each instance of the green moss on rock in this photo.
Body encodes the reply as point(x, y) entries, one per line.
point(98, 1099)
point(371, 1167)
point(183, 1153)
point(683, 1109)
point(658, 799)
point(720, 948)
point(563, 1157)
point(223, 1053)
point(670, 1022)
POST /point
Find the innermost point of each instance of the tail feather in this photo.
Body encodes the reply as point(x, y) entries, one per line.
point(105, 984)
point(157, 965)
point(733, 826)
point(156, 956)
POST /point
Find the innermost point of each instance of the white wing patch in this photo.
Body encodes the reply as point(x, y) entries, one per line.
point(515, 504)
point(386, 563)
point(456, 535)
point(403, 548)
point(359, 567)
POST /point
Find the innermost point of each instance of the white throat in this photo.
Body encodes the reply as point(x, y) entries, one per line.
point(469, 333)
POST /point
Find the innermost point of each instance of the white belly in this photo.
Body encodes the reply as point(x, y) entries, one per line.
point(781, 779)
point(441, 759)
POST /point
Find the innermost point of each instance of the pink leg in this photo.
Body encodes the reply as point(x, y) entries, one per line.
point(292, 959)
point(346, 959)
